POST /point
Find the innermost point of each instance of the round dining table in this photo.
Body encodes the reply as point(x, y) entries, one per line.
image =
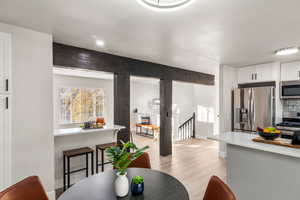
point(158, 186)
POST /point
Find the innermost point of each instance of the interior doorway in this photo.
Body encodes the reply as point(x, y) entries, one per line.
point(145, 109)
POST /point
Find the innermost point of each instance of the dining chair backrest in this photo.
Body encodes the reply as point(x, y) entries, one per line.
point(141, 162)
point(218, 190)
point(27, 189)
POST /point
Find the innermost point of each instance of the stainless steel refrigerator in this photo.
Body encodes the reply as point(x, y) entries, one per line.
point(253, 107)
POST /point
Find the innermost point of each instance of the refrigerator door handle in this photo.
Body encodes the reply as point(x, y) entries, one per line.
point(253, 111)
point(250, 111)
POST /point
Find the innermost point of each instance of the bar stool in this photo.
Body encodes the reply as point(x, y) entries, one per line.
point(68, 154)
point(102, 148)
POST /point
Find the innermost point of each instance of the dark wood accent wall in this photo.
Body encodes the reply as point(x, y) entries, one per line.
point(122, 67)
point(69, 56)
point(165, 117)
point(122, 104)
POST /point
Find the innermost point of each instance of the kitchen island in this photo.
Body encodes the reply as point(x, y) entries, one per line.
point(71, 138)
point(258, 171)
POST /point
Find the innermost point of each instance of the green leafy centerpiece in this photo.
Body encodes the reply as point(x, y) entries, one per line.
point(121, 157)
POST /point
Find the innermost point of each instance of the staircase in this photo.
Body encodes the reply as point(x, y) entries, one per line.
point(187, 129)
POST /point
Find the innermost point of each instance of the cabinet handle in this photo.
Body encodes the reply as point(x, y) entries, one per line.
point(6, 102)
point(298, 74)
point(251, 76)
point(255, 76)
point(6, 85)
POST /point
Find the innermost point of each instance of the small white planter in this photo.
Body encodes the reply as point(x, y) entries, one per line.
point(121, 185)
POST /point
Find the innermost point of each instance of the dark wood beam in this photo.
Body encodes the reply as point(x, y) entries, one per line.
point(122, 104)
point(165, 117)
point(70, 56)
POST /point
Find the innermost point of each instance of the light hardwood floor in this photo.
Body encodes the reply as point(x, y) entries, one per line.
point(193, 162)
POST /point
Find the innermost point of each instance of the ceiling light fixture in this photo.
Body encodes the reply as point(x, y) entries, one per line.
point(287, 51)
point(100, 43)
point(165, 5)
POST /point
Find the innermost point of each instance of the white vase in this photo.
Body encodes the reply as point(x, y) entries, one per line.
point(121, 185)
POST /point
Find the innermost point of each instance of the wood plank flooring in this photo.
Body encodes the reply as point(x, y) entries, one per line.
point(193, 162)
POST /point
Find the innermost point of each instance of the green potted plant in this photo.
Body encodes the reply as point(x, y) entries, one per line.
point(137, 185)
point(121, 158)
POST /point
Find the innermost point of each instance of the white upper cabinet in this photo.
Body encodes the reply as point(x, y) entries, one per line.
point(246, 75)
point(5, 68)
point(290, 71)
point(256, 73)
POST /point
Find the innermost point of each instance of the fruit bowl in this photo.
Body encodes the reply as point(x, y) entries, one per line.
point(269, 133)
point(268, 136)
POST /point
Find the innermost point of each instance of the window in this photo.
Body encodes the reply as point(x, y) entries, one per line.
point(78, 105)
point(205, 114)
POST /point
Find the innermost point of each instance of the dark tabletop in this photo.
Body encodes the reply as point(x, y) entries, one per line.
point(158, 186)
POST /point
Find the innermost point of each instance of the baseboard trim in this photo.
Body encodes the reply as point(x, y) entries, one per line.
point(222, 154)
point(51, 195)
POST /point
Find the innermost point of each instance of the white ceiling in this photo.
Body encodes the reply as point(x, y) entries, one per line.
point(232, 32)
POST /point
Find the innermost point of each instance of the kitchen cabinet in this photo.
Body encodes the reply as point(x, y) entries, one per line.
point(290, 71)
point(256, 73)
point(4, 63)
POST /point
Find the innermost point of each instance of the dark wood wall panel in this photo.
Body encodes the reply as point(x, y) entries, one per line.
point(69, 56)
point(122, 67)
point(122, 104)
point(165, 117)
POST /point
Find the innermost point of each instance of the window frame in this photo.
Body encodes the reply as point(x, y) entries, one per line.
point(59, 103)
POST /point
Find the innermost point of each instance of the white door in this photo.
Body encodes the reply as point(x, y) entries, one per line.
point(4, 63)
point(5, 141)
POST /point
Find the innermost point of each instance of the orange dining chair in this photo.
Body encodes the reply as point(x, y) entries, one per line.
point(218, 190)
point(27, 189)
point(141, 162)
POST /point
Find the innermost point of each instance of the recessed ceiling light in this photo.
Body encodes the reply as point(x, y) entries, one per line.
point(287, 51)
point(100, 43)
point(165, 5)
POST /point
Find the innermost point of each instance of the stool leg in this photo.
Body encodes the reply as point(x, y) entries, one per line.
point(68, 171)
point(87, 165)
point(97, 160)
point(92, 163)
point(102, 160)
point(64, 171)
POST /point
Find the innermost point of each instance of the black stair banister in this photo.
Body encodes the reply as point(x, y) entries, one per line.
point(187, 129)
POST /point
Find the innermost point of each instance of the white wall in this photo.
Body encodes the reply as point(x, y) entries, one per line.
point(60, 81)
point(205, 95)
point(187, 98)
point(228, 81)
point(32, 106)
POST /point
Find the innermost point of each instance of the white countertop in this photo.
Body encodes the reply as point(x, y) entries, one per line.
point(245, 140)
point(76, 131)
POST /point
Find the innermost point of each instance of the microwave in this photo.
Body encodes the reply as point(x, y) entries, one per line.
point(290, 90)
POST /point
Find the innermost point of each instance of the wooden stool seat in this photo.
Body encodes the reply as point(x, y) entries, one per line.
point(102, 148)
point(68, 154)
point(105, 146)
point(76, 152)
